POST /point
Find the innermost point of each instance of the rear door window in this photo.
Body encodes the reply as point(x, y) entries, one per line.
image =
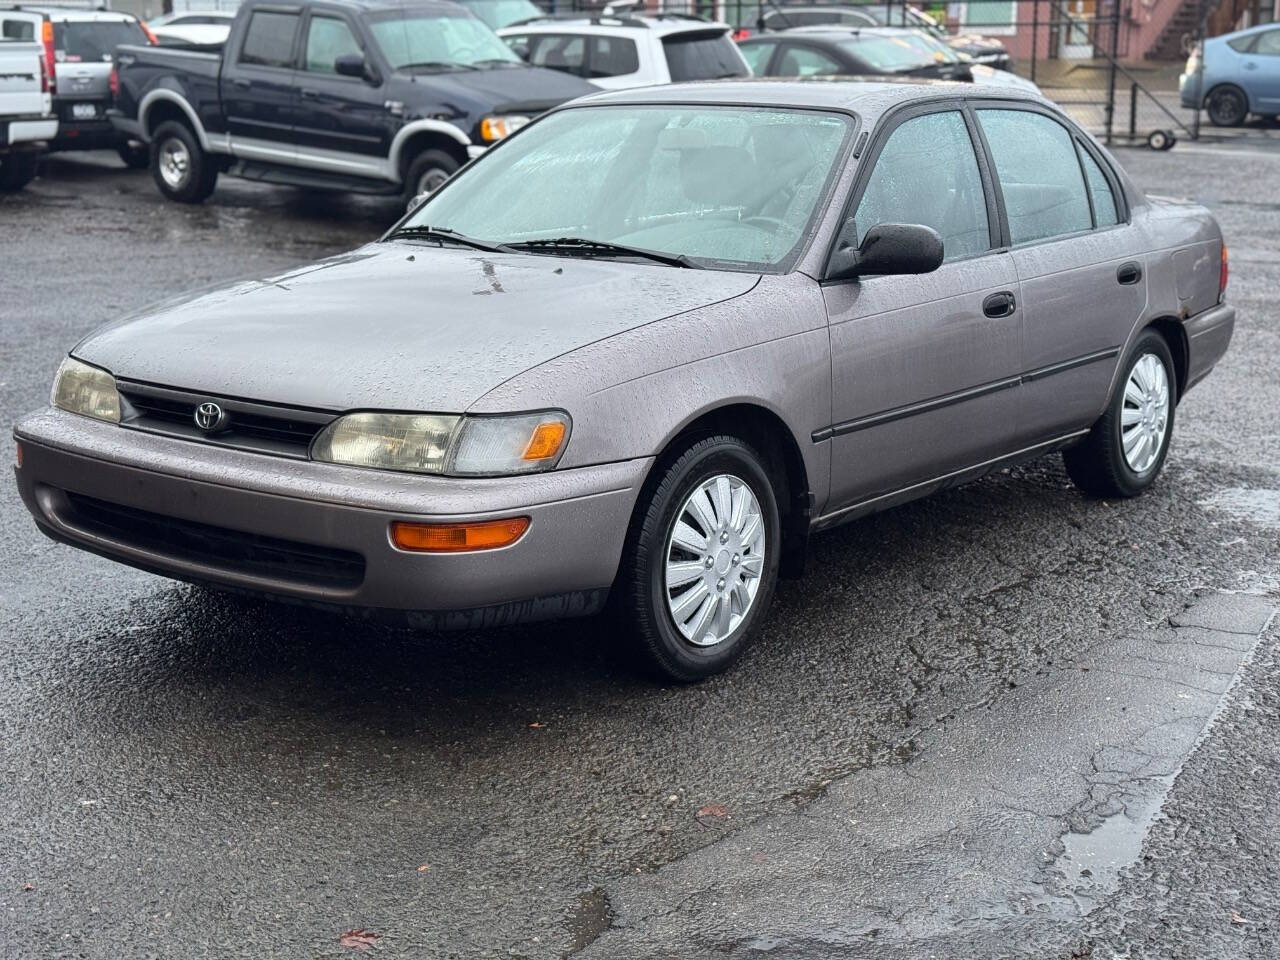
point(565, 52)
point(1268, 43)
point(703, 56)
point(1040, 176)
point(612, 57)
point(89, 40)
point(269, 40)
point(1104, 201)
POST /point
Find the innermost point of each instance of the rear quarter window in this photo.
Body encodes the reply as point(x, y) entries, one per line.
point(612, 57)
point(87, 41)
point(703, 56)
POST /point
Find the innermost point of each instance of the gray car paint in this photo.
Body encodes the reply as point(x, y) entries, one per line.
point(637, 352)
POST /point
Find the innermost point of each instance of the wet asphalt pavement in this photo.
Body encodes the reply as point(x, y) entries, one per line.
point(1005, 721)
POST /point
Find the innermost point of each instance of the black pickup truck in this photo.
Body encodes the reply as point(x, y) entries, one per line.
point(371, 96)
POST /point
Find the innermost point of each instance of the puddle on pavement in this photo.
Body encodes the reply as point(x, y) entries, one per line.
point(1248, 504)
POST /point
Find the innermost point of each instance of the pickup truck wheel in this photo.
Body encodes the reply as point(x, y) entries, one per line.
point(1123, 453)
point(701, 559)
point(135, 155)
point(181, 170)
point(428, 171)
point(17, 170)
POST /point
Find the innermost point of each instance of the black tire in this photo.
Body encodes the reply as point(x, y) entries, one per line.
point(17, 170)
point(1227, 106)
point(134, 155)
point(1098, 465)
point(642, 594)
point(432, 168)
point(196, 182)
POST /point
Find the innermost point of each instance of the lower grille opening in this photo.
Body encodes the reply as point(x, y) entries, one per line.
point(231, 550)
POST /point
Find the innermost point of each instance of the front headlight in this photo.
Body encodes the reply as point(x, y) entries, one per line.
point(89, 391)
point(496, 127)
point(457, 446)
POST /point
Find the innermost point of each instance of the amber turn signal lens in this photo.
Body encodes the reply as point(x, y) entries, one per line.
point(458, 537)
point(545, 442)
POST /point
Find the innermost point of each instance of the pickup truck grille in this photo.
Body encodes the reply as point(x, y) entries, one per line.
point(260, 427)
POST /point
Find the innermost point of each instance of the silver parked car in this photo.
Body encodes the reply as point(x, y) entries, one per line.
point(644, 349)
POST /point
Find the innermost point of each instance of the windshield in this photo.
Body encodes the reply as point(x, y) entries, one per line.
point(734, 187)
point(890, 54)
point(502, 13)
point(420, 42)
point(86, 41)
point(929, 47)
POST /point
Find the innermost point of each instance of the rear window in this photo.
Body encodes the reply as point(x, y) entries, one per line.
point(888, 54)
point(703, 56)
point(81, 42)
point(18, 30)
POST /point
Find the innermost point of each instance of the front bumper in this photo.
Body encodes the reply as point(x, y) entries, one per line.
point(562, 566)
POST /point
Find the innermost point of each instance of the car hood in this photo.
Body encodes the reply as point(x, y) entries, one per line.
point(402, 326)
point(503, 89)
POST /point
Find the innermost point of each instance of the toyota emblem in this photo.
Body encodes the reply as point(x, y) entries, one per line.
point(210, 417)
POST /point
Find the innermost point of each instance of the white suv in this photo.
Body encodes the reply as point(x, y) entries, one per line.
point(619, 51)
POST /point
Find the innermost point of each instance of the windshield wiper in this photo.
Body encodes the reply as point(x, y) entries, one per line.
point(437, 65)
point(571, 245)
point(445, 235)
point(499, 62)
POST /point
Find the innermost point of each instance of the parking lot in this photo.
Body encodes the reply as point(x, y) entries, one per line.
point(1003, 721)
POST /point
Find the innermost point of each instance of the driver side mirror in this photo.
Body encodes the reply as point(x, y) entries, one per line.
point(888, 249)
point(354, 65)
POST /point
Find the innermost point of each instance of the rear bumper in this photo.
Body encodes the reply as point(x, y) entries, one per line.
point(28, 130)
point(319, 533)
point(85, 135)
point(1208, 336)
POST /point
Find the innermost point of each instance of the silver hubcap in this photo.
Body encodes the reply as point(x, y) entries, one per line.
point(431, 180)
point(1144, 419)
point(715, 560)
point(175, 162)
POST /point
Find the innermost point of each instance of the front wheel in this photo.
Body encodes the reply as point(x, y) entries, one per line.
point(427, 173)
point(1227, 107)
point(701, 560)
point(181, 170)
point(17, 170)
point(1123, 453)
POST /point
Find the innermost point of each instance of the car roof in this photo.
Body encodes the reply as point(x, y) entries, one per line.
point(72, 14)
point(867, 98)
point(659, 24)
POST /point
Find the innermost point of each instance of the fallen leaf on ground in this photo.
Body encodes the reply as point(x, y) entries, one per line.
point(712, 810)
point(1236, 918)
point(28, 887)
point(359, 939)
point(536, 725)
point(424, 868)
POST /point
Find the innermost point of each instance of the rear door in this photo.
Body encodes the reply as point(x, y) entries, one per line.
point(924, 369)
point(259, 81)
point(341, 123)
point(1080, 263)
point(20, 68)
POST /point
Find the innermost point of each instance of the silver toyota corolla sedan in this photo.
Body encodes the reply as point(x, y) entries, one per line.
point(641, 351)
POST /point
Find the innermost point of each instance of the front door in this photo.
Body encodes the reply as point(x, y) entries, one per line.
point(342, 123)
point(1262, 72)
point(258, 86)
point(924, 369)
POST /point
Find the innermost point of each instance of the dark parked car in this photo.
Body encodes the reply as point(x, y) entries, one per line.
point(645, 348)
point(79, 45)
point(370, 96)
point(863, 51)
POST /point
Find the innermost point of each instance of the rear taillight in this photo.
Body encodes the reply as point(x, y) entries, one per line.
point(113, 82)
point(44, 76)
point(741, 34)
point(1224, 274)
point(46, 36)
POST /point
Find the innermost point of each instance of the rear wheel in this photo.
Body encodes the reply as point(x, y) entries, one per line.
point(181, 170)
point(1227, 107)
point(1123, 453)
point(17, 170)
point(134, 154)
point(701, 560)
point(427, 173)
